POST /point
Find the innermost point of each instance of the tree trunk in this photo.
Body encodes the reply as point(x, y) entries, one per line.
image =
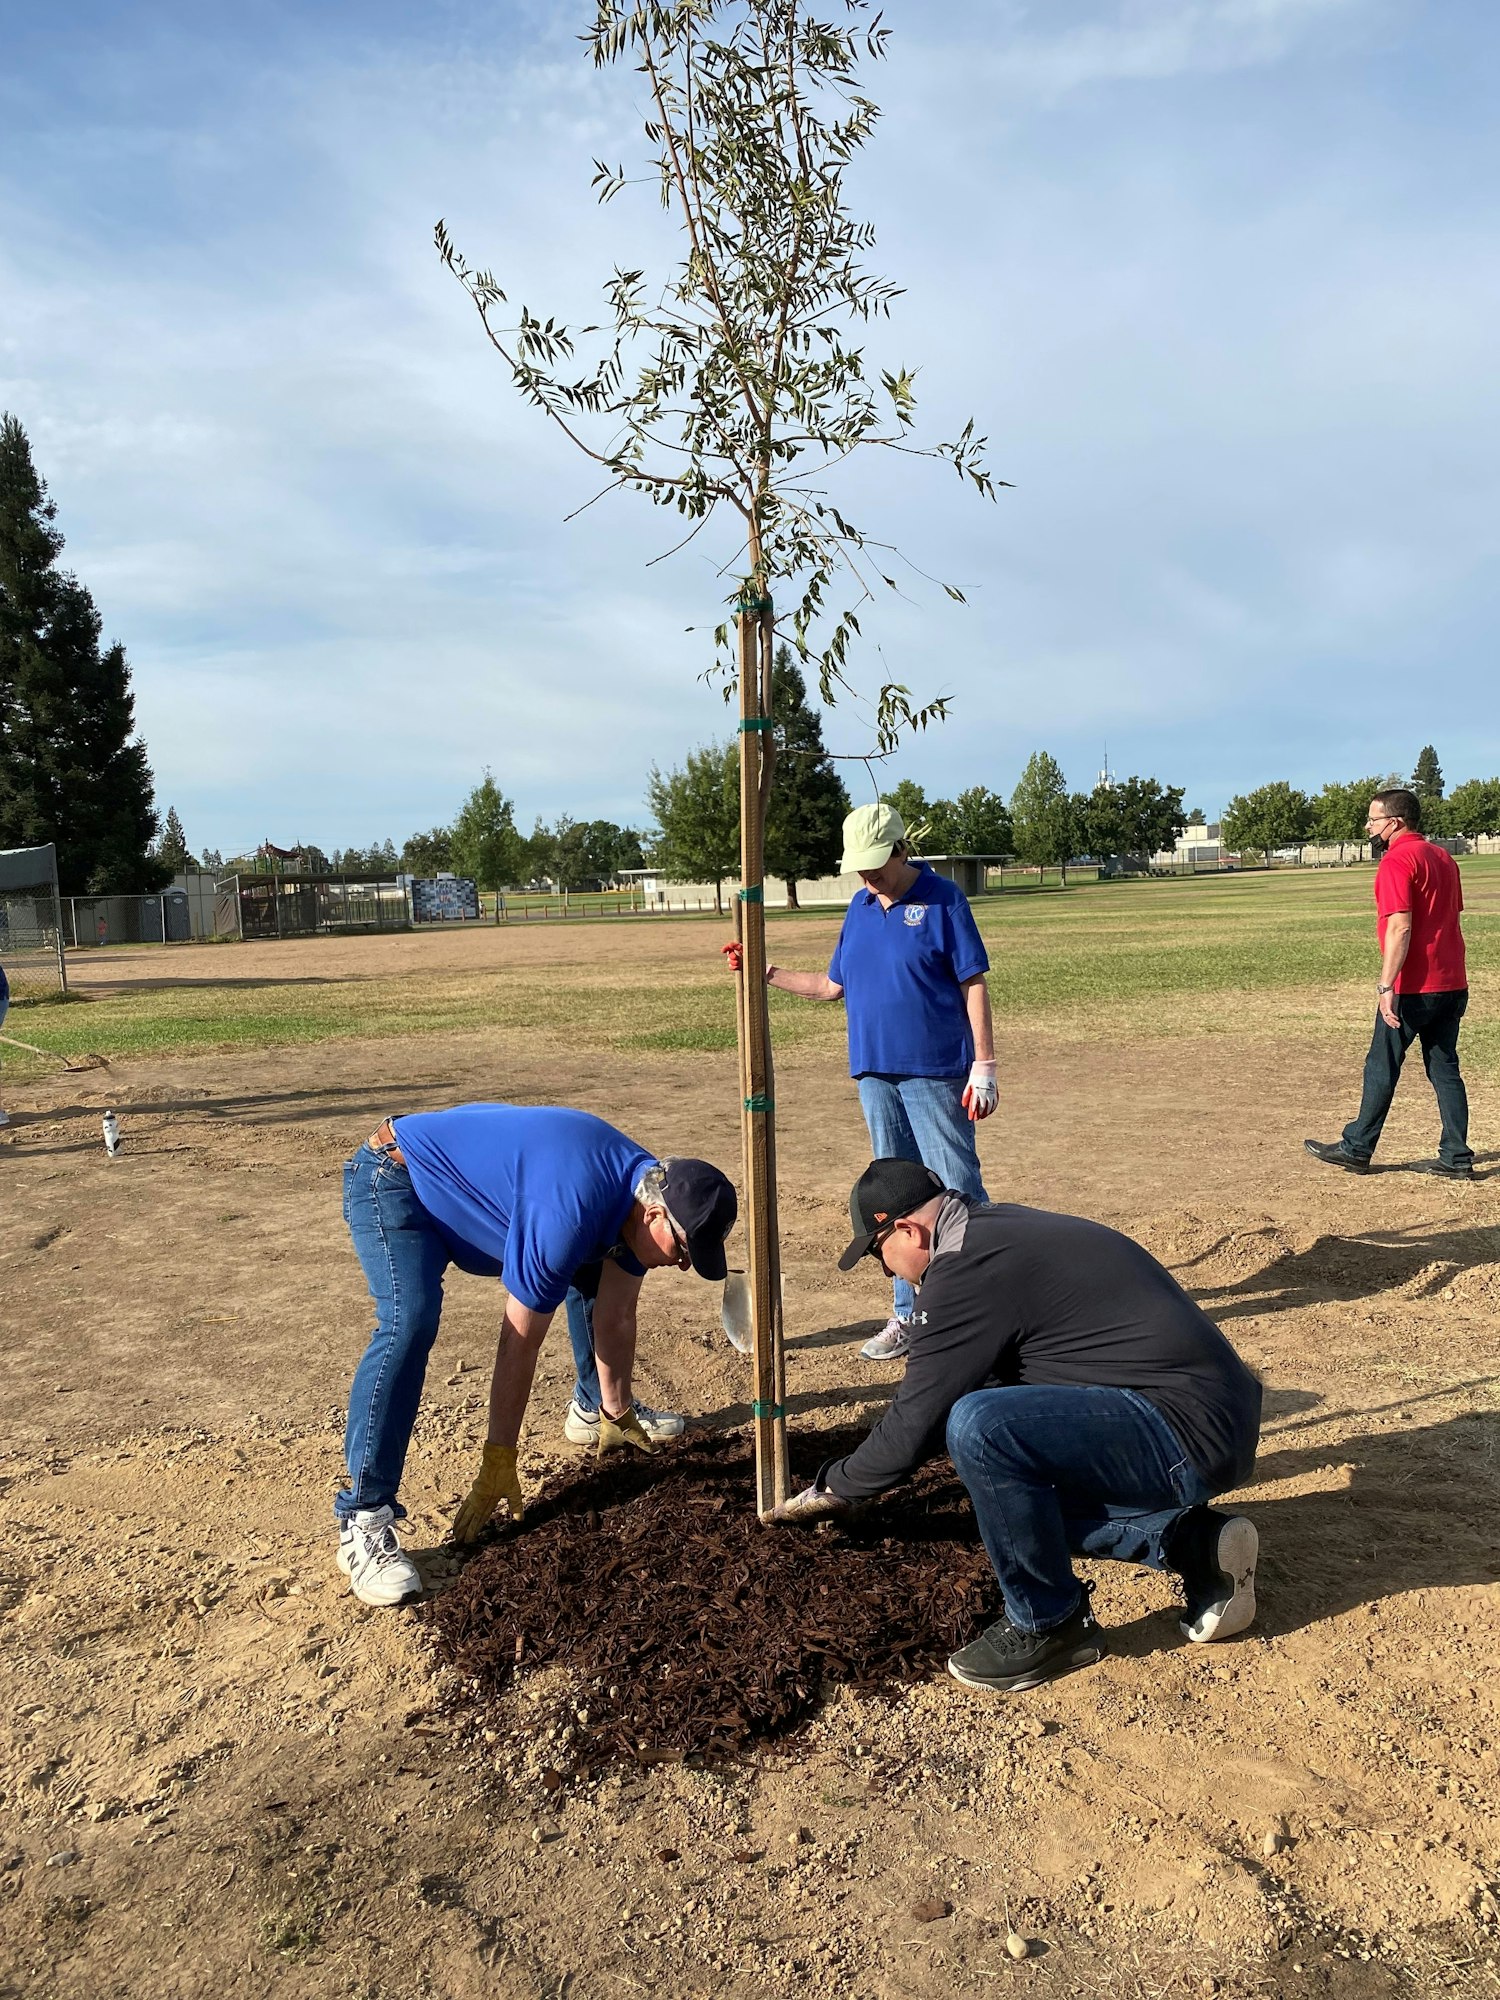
point(757, 755)
point(791, 893)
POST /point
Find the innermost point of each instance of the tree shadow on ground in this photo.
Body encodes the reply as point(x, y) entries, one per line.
point(1351, 1267)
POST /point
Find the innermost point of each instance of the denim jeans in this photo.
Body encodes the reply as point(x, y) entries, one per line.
point(1055, 1472)
point(581, 1334)
point(1432, 1019)
point(922, 1118)
point(403, 1258)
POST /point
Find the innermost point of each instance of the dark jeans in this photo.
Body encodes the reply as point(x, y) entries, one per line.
point(1055, 1472)
point(1431, 1019)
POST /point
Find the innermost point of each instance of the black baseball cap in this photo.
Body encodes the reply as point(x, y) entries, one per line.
point(704, 1205)
point(885, 1190)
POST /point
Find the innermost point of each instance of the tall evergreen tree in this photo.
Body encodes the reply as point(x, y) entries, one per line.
point(1427, 778)
point(171, 849)
point(805, 819)
point(71, 768)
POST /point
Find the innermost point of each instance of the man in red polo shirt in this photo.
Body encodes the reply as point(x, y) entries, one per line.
point(1423, 990)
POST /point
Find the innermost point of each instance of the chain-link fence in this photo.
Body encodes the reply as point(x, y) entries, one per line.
point(272, 906)
point(31, 930)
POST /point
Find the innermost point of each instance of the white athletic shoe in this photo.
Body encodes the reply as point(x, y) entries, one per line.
point(892, 1341)
point(372, 1559)
point(581, 1426)
point(4, 1117)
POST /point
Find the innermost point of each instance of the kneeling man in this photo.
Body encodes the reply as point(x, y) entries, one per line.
point(1090, 1409)
point(548, 1201)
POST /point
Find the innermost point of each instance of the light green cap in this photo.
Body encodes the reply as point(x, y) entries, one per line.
point(870, 833)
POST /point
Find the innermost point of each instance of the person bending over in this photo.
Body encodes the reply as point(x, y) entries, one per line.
point(543, 1199)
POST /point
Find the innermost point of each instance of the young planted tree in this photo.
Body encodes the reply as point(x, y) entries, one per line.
point(731, 387)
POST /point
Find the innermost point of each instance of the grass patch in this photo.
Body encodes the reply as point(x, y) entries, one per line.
point(1256, 955)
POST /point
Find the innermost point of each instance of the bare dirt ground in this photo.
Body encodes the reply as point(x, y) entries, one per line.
point(220, 1775)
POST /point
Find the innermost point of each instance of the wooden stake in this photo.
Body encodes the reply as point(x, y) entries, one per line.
point(757, 754)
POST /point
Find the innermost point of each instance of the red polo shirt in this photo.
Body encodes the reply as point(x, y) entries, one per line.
point(1420, 878)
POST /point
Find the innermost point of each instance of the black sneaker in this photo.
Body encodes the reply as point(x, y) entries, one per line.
point(1336, 1155)
point(1215, 1555)
point(1443, 1171)
point(1008, 1660)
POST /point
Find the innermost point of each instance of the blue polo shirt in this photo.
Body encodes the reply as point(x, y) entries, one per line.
point(524, 1193)
point(900, 970)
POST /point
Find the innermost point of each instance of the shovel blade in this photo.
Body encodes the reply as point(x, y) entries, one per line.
point(735, 1311)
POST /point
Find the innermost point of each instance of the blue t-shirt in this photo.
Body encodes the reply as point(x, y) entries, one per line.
point(524, 1193)
point(901, 970)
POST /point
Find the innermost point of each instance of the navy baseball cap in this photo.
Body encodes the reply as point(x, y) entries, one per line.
point(703, 1204)
point(886, 1190)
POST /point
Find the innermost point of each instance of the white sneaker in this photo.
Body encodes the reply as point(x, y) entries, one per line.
point(581, 1426)
point(372, 1559)
point(892, 1341)
point(4, 1117)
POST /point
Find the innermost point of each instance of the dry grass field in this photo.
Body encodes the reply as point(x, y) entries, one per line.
point(219, 1775)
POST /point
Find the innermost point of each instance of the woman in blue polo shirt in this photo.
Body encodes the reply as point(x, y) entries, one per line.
point(538, 1197)
point(909, 966)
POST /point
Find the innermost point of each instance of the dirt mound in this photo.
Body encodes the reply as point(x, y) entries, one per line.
point(688, 1627)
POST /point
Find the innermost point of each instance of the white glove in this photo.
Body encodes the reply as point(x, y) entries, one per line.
point(981, 1093)
point(813, 1503)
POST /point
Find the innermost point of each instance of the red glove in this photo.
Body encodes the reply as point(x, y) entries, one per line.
point(734, 951)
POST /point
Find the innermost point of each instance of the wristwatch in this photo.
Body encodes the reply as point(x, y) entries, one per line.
point(1385, 989)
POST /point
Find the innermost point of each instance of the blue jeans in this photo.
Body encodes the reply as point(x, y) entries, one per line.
point(581, 1334)
point(1055, 1472)
point(1433, 1019)
point(403, 1258)
point(922, 1118)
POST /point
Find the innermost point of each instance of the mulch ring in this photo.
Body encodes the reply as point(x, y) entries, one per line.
point(688, 1628)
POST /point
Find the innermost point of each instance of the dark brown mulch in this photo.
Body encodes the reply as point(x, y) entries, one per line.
point(688, 1627)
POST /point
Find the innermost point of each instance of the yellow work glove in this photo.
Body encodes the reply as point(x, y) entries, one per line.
point(497, 1481)
point(617, 1432)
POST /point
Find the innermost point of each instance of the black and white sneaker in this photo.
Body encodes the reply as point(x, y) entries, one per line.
point(1215, 1556)
point(1009, 1660)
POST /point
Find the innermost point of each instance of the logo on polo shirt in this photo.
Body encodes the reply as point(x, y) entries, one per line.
point(915, 912)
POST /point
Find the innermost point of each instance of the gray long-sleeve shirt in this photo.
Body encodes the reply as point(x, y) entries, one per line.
point(1019, 1295)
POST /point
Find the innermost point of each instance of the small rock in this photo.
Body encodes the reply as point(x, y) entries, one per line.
point(1016, 1946)
point(1273, 1843)
point(64, 1857)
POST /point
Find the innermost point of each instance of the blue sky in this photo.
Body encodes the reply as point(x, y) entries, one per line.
point(1219, 278)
